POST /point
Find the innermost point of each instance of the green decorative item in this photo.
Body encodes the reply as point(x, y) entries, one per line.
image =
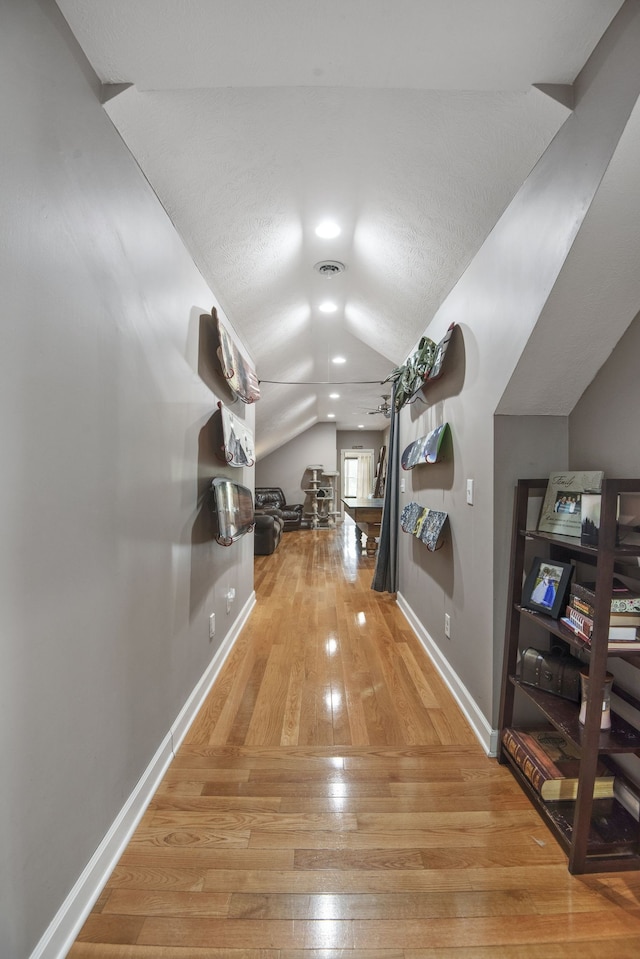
point(423, 365)
point(410, 377)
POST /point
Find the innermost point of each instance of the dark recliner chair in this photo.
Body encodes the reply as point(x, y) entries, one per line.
point(269, 498)
point(267, 533)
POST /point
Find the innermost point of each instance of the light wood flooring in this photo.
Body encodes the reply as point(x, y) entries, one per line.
point(330, 802)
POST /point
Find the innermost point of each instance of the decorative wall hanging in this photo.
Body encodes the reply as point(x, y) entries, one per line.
point(423, 523)
point(420, 368)
point(425, 450)
point(238, 446)
point(232, 507)
point(237, 371)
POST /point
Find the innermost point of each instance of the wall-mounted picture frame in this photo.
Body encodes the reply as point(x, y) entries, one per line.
point(562, 507)
point(546, 585)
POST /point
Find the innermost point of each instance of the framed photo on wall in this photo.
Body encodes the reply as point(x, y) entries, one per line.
point(562, 507)
point(545, 587)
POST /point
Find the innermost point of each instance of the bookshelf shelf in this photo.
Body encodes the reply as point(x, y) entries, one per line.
point(596, 834)
point(612, 842)
point(621, 551)
point(563, 714)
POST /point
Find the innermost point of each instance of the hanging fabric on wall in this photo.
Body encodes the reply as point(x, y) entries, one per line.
point(385, 577)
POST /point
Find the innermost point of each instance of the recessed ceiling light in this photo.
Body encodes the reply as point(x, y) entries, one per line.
point(334, 396)
point(328, 229)
point(360, 426)
point(338, 359)
point(331, 416)
point(328, 306)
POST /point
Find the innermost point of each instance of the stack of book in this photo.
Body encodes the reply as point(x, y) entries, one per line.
point(624, 616)
point(551, 763)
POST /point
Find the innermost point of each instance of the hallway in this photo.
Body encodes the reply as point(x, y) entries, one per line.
point(331, 802)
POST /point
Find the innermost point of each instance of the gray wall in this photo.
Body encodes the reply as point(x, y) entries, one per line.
point(496, 304)
point(287, 466)
point(367, 439)
point(525, 447)
point(604, 427)
point(107, 568)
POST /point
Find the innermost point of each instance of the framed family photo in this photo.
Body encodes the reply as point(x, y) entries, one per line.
point(545, 587)
point(562, 507)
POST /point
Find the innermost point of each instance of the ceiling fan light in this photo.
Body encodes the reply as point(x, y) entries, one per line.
point(328, 230)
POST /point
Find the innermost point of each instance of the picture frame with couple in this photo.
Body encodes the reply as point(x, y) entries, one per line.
point(545, 588)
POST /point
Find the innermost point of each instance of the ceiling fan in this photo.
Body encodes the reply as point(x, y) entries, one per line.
point(383, 408)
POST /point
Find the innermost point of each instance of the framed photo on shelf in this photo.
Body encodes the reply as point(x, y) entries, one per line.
point(545, 587)
point(562, 507)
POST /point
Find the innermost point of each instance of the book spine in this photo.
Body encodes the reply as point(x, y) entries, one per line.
point(574, 629)
point(584, 593)
point(581, 605)
point(630, 605)
point(627, 794)
point(585, 626)
point(524, 760)
point(582, 622)
point(624, 619)
point(619, 604)
point(623, 632)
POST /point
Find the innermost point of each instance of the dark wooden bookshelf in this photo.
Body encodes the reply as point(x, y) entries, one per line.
point(597, 834)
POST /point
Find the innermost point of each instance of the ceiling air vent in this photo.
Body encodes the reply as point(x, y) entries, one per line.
point(329, 267)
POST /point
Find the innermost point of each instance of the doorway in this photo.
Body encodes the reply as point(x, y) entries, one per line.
point(356, 474)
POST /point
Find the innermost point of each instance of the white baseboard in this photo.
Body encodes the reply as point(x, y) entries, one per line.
point(487, 737)
point(66, 924)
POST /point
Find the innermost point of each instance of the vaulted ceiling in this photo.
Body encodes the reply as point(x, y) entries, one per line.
point(410, 123)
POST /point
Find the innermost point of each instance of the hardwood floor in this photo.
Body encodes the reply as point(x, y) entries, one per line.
point(330, 802)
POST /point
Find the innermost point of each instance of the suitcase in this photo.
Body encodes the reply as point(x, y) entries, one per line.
point(556, 673)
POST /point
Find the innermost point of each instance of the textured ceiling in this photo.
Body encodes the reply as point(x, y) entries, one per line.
point(411, 123)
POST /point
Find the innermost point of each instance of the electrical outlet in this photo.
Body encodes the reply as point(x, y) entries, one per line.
point(212, 625)
point(231, 595)
point(447, 625)
point(470, 492)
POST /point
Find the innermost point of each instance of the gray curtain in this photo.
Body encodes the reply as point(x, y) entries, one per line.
point(385, 577)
